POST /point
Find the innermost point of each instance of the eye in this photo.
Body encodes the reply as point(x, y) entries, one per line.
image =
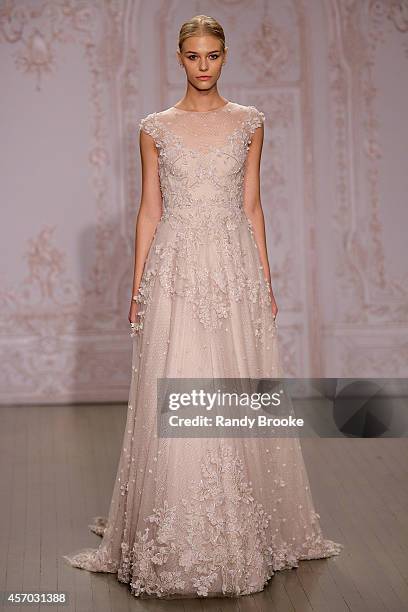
point(213, 56)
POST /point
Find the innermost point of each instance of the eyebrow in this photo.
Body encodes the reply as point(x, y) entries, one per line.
point(216, 51)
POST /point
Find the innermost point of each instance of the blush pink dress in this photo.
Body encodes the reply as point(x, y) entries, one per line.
point(204, 516)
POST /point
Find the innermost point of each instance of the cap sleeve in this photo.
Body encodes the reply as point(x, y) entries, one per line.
point(149, 125)
point(254, 120)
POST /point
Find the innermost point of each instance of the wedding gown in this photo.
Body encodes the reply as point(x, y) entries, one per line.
point(203, 516)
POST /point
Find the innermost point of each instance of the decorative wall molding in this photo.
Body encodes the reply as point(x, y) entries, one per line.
point(49, 311)
point(369, 295)
point(63, 331)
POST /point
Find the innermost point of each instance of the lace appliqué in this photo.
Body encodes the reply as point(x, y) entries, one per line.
point(211, 290)
point(254, 120)
point(151, 126)
point(204, 228)
point(218, 533)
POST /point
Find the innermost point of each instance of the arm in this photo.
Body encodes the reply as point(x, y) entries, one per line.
point(150, 211)
point(253, 206)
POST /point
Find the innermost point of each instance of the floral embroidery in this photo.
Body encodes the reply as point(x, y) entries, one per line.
point(218, 534)
point(216, 537)
point(198, 228)
point(150, 125)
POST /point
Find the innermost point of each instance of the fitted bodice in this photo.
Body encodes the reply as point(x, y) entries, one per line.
point(201, 157)
point(203, 249)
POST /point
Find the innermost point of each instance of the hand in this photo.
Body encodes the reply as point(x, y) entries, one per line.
point(274, 306)
point(133, 310)
point(134, 319)
point(273, 301)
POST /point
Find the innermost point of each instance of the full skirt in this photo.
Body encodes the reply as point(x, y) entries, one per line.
point(204, 516)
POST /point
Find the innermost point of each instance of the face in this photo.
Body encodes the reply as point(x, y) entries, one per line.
point(202, 56)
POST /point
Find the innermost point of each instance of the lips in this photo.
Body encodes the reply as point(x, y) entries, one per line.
point(203, 78)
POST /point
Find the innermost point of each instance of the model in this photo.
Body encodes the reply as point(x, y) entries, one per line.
point(202, 516)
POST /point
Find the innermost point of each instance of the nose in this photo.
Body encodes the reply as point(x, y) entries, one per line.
point(203, 66)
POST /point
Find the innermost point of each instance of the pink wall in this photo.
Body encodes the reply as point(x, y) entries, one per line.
point(331, 78)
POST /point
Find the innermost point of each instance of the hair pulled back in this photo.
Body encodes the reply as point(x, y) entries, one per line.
point(201, 25)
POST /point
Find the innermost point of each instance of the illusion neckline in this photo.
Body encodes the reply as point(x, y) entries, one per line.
point(213, 110)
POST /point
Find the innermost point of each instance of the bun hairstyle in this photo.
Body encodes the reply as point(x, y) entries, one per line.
point(201, 25)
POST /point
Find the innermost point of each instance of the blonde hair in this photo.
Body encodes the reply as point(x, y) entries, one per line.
point(199, 25)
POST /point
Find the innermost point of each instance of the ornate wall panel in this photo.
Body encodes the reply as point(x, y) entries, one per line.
point(77, 76)
point(69, 119)
point(365, 330)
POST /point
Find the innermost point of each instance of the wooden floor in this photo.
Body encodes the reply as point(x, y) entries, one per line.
point(57, 469)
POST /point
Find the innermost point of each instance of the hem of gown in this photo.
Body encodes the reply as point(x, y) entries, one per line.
point(335, 550)
point(90, 559)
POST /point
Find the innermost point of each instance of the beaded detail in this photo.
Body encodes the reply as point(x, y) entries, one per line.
point(200, 250)
point(200, 517)
point(218, 538)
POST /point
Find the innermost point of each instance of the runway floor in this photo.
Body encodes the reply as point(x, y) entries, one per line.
point(57, 468)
